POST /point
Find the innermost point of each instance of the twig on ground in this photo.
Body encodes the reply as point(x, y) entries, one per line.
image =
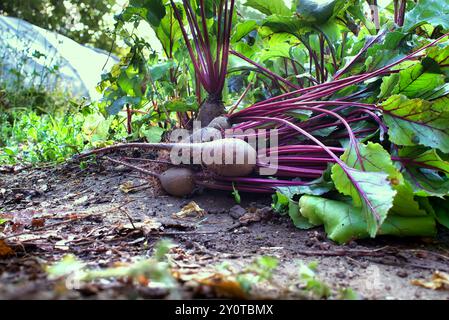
point(344, 252)
point(128, 216)
point(130, 166)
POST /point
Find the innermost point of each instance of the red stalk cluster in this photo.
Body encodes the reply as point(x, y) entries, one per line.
point(210, 68)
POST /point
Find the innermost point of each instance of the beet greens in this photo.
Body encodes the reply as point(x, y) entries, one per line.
point(361, 110)
point(210, 65)
point(365, 172)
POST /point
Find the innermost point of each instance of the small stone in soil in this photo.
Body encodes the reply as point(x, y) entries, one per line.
point(352, 244)
point(402, 273)
point(237, 211)
point(242, 230)
point(309, 243)
point(188, 244)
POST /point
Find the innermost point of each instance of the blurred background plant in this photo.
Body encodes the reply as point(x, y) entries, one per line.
point(45, 111)
point(32, 115)
point(85, 21)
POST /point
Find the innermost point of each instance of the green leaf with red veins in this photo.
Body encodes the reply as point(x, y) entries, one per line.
point(426, 171)
point(368, 179)
point(439, 55)
point(414, 122)
point(344, 222)
point(413, 82)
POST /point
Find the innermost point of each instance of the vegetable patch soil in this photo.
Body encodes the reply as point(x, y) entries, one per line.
point(107, 204)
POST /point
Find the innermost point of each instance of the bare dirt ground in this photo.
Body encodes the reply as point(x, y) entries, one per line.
point(88, 212)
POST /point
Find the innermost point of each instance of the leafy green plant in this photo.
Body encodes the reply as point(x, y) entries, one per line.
point(209, 54)
point(27, 137)
point(236, 195)
point(367, 99)
point(260, 273)
point(359, 100)
point(34, 138)
point(155, 269)
point(153, 87)
point(260, 270)
point(410, 104)
point(310, 281)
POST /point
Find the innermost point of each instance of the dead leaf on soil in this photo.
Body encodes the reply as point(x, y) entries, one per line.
point(5, 250)
point(6, 216)
point(12, 169)
point(63, 244)
point(81, 200)
point(27, 237)
point(20, 219)
point(190, 209)
point(126, 187)
point(146, 226)
point(224, 286)
point(38, 222)
point(255, 215)
point(439, 281)
point(130, 187)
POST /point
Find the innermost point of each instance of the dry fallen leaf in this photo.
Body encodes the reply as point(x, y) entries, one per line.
point(255, 215)
point(439, 281)
point(146, 226)
point(62, 244)
point(190, 209)
point(81, 200)
point(38, 222)
point(5, 250)
point(6, 216)
point(224, 286)
point(27, 237)
point(19, 219)
point(126, 187)
point(142, 280)
point(150, 225)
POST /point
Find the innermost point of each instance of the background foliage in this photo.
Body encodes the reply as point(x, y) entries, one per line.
point(81, 20)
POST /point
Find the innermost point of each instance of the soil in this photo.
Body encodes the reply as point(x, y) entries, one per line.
point(85, 212)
